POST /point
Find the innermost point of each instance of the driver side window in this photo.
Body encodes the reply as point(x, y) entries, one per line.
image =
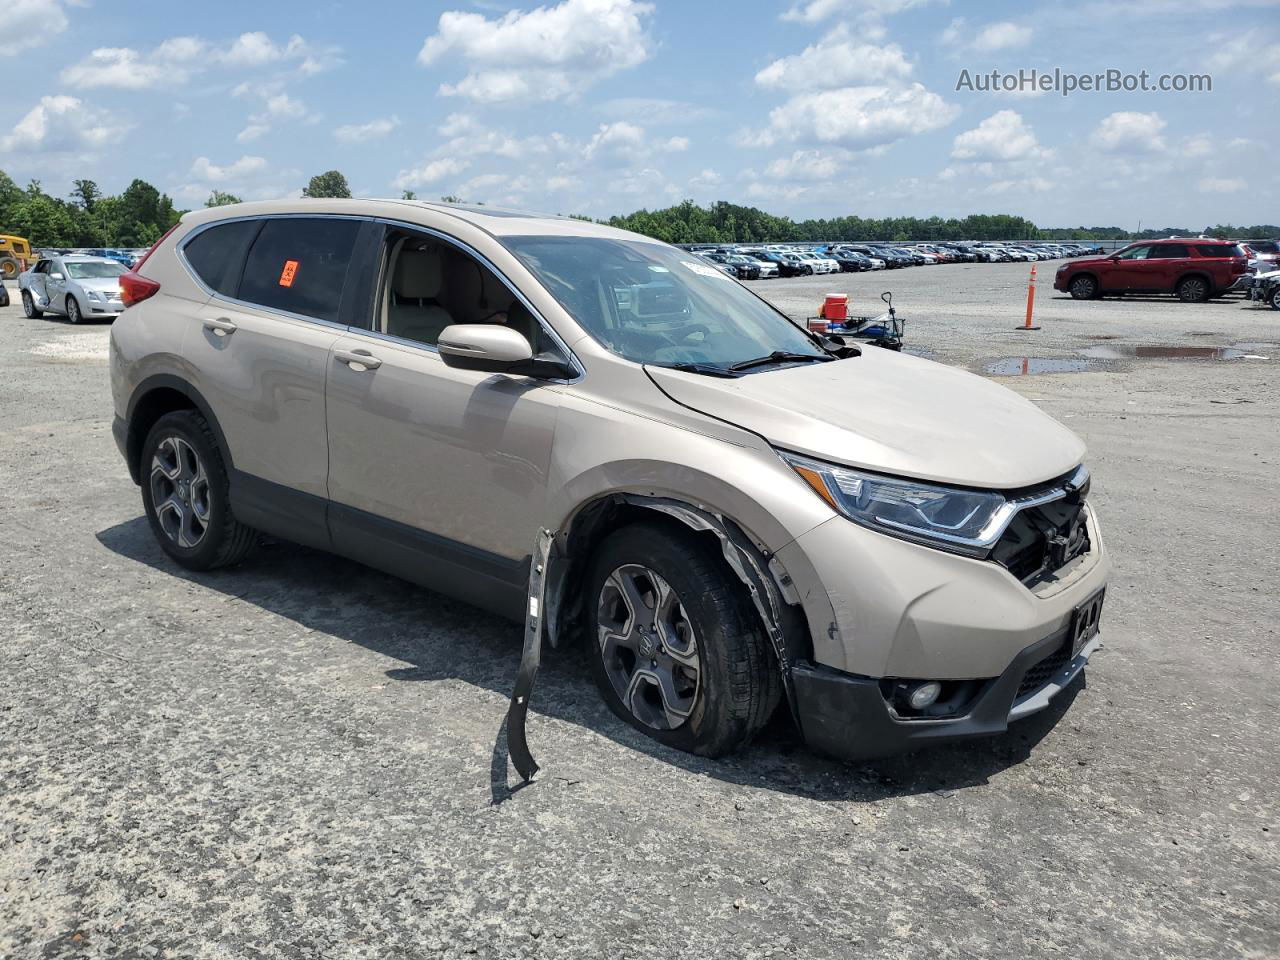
point(429, 284)
point(1137, 253)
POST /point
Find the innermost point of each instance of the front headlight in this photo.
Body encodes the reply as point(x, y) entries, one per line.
point(963, 521)
point(94, 295)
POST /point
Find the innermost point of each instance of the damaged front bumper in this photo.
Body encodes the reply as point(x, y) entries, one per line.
point(847, 716)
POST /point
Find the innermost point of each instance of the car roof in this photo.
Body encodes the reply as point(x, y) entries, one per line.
point(497, 221)
point(82, 258)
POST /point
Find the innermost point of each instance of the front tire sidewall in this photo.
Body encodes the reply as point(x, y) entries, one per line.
point(721, 622)
point(74, 313)
point(29, 306)
point(1083, 288)
point(185, 425)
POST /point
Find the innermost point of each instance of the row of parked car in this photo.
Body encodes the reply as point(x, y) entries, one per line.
point(759, 262)
point(126, 256)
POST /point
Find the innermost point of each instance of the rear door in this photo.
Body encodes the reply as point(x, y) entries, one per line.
point(1166, 263)
point(55, 286)
point(36, 281)
point(260, 353)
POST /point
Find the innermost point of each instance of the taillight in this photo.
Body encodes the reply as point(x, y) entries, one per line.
point(135, 288)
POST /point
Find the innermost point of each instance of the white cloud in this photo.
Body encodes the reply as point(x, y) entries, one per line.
point(1130, 132)
point(117, 67)
point(625, 144)
point(203, 169)
point(430, 172)
point(360, 132)
point(1002, 36)
point(837, 60)
point(59, 124)
point(815, 165)
point(706, 178)
point(1223, 184)
point(173, 61)
point(548, 53)
point(815, 11)
point(857, 117)
point(277, 107)
point(31, 23)
point(656, 112)
point(1003, 136)
point(252, 132)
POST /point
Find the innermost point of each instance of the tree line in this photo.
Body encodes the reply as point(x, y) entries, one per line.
point(139, 215)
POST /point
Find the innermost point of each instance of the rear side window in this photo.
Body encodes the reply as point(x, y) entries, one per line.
point(216, 254)
point(298, 264)
point(1169, 251)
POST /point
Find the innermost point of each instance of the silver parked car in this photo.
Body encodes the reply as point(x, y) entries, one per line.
point(78, 287)
point(608, 439)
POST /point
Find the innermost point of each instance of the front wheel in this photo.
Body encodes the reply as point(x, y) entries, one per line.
point(1083, 288)
point(73, 311)
point(185, 494)
point(1193, 290)
point(675, 645)
point(29, 306)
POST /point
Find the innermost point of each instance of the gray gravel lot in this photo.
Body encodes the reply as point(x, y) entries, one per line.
point(295, 758)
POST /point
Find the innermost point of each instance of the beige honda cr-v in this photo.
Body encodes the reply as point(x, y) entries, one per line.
point(601, 435)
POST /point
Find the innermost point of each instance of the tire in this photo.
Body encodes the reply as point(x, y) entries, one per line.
point(717, 707)
point(1083, 287)
point(1274, 299)
point(193, 523)
point(1193, 290)
point(10, 268)
point(29, 306)
point(74, 314)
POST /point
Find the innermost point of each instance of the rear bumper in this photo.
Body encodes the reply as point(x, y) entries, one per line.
point(846, 716)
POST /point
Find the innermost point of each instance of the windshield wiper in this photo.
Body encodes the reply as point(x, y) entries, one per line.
point(710, 369)
point(778, 356)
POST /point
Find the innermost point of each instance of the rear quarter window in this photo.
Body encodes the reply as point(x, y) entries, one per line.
point(299, 264)
point(1219, 250)
point(216, 254)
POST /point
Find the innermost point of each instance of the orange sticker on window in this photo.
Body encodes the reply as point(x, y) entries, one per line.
point(288, 273)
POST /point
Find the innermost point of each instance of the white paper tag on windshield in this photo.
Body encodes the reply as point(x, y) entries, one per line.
point(705, 270)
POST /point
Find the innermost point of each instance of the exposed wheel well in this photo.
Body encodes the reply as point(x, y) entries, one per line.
point(566, 602)
point(149, 408)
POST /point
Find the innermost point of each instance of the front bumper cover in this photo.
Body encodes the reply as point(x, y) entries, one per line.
point(846, 716)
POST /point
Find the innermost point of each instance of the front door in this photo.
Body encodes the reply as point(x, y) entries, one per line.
point(1130, 271)
point(436, 474)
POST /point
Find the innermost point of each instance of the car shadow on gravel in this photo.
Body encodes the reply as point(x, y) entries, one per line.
point(441, 639)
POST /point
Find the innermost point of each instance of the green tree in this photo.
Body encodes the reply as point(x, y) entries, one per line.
point(408, 195)
point(331, 183)
point(86, 192)
point(220, 198)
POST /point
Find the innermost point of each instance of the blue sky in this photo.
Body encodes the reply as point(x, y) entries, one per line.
point(800, 107)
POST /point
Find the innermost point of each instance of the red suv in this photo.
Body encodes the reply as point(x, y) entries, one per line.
point(1193, 268)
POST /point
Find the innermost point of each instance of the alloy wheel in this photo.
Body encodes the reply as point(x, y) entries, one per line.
point(1194, 291)
point(648, 647)
point(73, 310)
point(180, 492)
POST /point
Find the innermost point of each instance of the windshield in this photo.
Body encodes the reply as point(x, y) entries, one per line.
point(94, 271)
point(651, 303)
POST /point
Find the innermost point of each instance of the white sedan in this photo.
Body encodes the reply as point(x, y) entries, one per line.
point(78, 287)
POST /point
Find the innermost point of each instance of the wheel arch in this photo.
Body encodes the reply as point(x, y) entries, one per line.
point(1194, 273)
point(768, 585)
point(154, 397)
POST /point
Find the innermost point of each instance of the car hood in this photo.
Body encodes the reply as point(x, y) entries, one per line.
point(100, 284)
point(891, 413)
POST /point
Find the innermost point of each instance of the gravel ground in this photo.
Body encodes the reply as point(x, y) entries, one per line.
point(296, 758)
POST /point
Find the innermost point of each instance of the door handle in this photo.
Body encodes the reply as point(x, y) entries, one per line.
point(220, 328)
point(358, 360)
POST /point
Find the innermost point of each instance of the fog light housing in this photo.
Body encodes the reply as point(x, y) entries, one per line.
point(925, 695)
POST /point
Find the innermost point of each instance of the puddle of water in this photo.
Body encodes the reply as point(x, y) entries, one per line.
point(1129, 351)
point(1025, 366)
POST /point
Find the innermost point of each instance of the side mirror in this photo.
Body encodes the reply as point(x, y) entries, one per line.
point(483, 346)
point(493, 348)
point(56, 276)
point(1114, 256)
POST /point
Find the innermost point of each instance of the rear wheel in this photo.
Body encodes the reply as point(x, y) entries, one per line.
point(675, 646)
point(29, 306)
point(73, 310)
point(1083, 288)
point(185, 494)
point(1193, 290)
